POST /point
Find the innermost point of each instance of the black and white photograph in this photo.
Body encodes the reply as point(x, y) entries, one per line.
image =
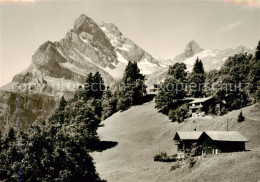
point(129, 90)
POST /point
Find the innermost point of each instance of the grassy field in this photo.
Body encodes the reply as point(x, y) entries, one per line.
point(141, 132)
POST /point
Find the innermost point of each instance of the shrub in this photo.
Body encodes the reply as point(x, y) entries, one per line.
point(160, 157)
point(192, 162)
point(175, 166)
point(164, 158)
point(179, 114)
point(223, 111)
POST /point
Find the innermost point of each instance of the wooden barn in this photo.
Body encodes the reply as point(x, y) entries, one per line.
point(214, 142)
point(185, 139)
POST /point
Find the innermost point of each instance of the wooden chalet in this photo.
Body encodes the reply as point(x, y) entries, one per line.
point(200, 107)
point(214, 142)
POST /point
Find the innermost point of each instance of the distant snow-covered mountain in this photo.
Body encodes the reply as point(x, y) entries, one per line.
point(211, 59)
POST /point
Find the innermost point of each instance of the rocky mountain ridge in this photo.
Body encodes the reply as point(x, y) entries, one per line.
point(211, 59)
point(88, 47)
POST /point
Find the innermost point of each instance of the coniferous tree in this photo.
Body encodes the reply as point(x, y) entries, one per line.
point(241, 118)
point(88, 87)
point(59, 114)
point(93, 87)
point(257, 52)
point(62, 104)
point(98, 86)
point(197, 79)
point(133, 87)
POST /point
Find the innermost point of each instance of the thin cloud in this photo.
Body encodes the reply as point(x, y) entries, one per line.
point(229, 27)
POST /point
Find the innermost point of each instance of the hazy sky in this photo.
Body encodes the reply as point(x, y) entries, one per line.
point(162, 28)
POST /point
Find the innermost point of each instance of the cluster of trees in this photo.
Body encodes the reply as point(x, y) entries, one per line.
point(177, 86)
point(130, 91)
point(235, 85)
point(58, 150)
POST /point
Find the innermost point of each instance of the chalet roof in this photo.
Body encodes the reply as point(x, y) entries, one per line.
point(200, 100)
point(233, 136)
point(187, 135)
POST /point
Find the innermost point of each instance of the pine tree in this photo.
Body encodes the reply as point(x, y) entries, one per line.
point(134, 88)
point(62, 104)
point(93, 88)
point(88, 90)
point(257, 52)
point(10, 136)
point(241, 118)
point(98, 86)
point(132, 73)
point(198, 67)
point(59, 114)
point(197, 79)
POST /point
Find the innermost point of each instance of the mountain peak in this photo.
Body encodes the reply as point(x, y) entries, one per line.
point(84, 23)
point(192, 48)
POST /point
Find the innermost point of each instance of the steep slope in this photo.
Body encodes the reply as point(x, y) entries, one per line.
point(141, 132)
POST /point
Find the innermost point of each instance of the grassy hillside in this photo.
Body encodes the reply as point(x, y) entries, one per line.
point(141, 132)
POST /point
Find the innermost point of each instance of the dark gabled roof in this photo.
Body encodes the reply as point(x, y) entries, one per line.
point(200, 100)
point(233, 136)
point(187, 135)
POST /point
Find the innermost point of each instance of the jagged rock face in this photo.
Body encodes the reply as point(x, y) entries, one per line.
point(86, 48)
point(127, 50)
point(191, 49)
point(30, 108)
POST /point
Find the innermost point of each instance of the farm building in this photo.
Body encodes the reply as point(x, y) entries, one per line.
point(221, 141)
point(200, 107)
point(185, 139)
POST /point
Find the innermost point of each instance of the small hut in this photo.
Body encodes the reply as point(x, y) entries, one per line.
point(185, 139)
